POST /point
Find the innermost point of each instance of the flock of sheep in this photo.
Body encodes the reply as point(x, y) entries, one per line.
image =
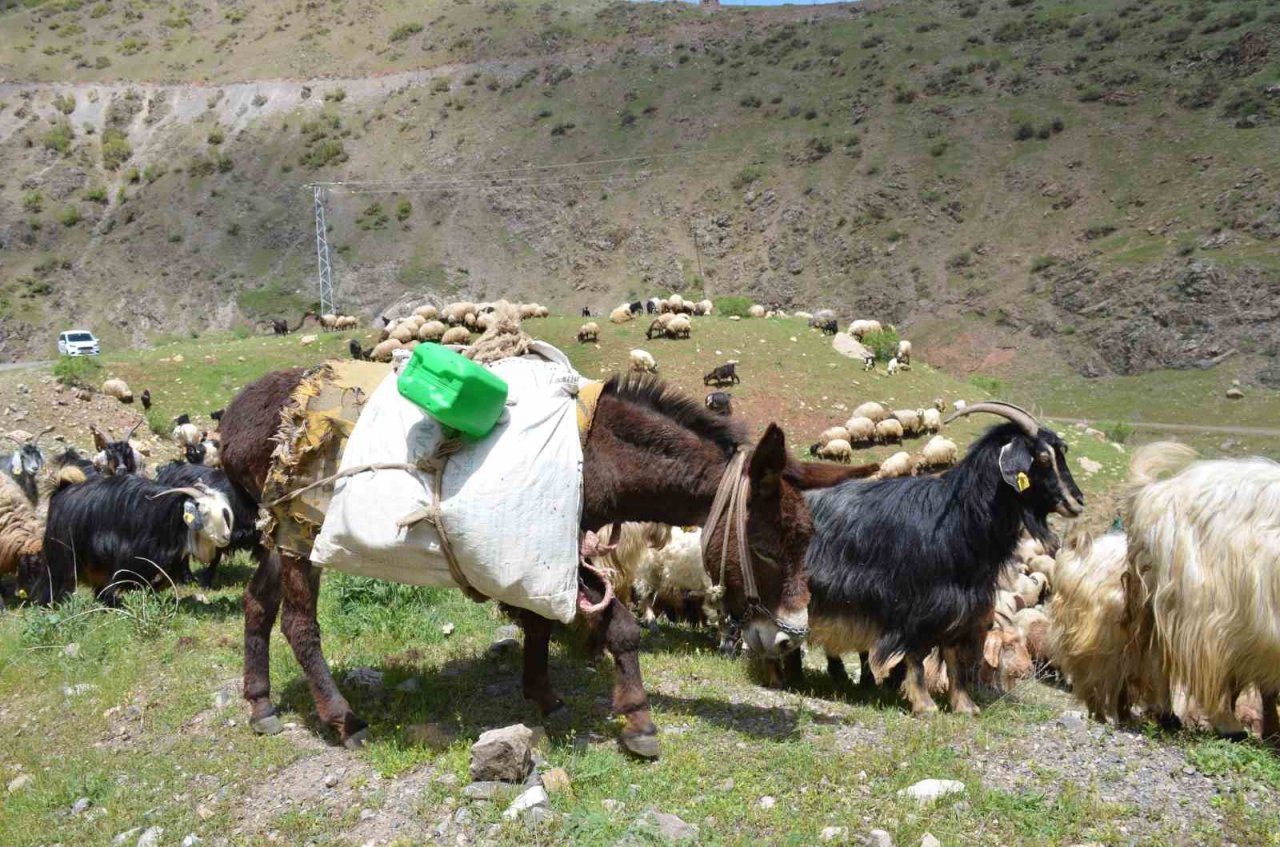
point(872, 423)
point(453, 324)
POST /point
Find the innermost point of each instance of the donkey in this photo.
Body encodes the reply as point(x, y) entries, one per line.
point(651, 454)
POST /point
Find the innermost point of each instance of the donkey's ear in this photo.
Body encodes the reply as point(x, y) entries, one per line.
point(810, 475)
point(768, 460)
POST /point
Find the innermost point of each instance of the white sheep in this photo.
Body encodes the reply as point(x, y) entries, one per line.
point(428, 313)
point(673, 572)
point(904, 352)
point(679, 327)
point(930, 420)
point(456, 335)
point(704, 307)
point(910, 420)
point(455, 313)
point(836, 450)
point(888, 430)
point(620, 315)
point(874, 411)
point(589, 331)
point(834, 433)
point(756, 311)
point(939, 452)
point(383, 349)
point(641, 360)
point(432, 330)
point(892, 367)
point(862, 430)
point(187, 435)
point(118, 389)
point(899, 464)
point(861, 328)
point(404, 333)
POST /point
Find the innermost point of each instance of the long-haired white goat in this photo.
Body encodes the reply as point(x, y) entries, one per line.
point(655, 566)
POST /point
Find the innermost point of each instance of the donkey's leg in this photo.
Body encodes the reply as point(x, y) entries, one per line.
point(537, 680)
point(301, 584)
point(958, 681)
point(261, 605)
point(622, 637)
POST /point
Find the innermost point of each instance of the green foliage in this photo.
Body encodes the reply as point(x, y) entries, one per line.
point(403, 31)
point(69, 216)
point(215, 136)
point(337, 95)
point(732, 306)
point(59, 137)
point(1040, 263)
point(64, 103)
point(1024, 132)
point(360, 605)
point(150, 612)
point(78, 371)
point(883, 343)
point(440, 85)
point(33, 201)
point(115, 148)
point(403, 210)
point(991, 386)
point(748, 175)
point(1117, 431)
point(373, 217)
point(328, 151)
point(96, 194)
point(49, 626)
point(1099, 229)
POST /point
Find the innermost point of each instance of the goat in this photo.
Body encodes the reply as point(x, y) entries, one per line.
point(208, 452)
point(892, 367)
point(651, 306)
point(353, 347)
point(244, 511)
point(722, 374)
point(636, 308)
point(901, 566)
point(586, 311)
point(720, 402)
point(830, 327)
point(113, 531)
point(116, 457)
point(145, 397)
point(26, 462)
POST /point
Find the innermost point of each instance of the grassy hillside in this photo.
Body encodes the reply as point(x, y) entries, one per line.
point(1085, 180)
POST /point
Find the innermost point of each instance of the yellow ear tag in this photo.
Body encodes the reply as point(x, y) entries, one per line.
point(188, 518)
point(1023, 482)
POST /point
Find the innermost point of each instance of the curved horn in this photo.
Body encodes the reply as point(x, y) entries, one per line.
point(14, 440)
point(41, 434)
point(1018, 415)
point(188, 492)
point(131, 431)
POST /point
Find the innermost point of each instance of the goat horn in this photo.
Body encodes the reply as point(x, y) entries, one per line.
point(14, 440)
point(1018, 415)
point(131, 431)
point(189, 492)
point(42, 433)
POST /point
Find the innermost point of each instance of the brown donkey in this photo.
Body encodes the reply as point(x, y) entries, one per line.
point(651, 455)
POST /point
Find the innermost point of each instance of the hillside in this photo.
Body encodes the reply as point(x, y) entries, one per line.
point(1079, 182)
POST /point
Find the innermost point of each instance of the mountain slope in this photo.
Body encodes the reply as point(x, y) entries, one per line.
point(1088, 181)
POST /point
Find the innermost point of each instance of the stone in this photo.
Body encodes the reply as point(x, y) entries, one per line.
point(531, 798)
point(929, 790)
point(330, 780)
point(447, 630)
point(668, 829)
point(556, 781)
point(766, 802)
point(927, 840)
point(505, 639)
point(151, 836)
point(538, 817)
point(611, 806)
point(203, 812)
point(370, 679)
point(223, 699)
point(432, 735)
point(488, 790)
point(78, 689)
point(462, 816)
point(124, 837)
point(833, 833)
point(503, 754)
point(20, 782)
point(847, 345)
point(191, 840)
point(1089, 465)
point(726, 786)
point(72, 650)
point(878, 838)
point(1074, 721)
point(1234, 393)
point(79, 806)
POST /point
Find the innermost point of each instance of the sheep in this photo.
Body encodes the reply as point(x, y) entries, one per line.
point(543, 312)
point(836, 450)
point(403, 333)
point(903, 565)
point(910, 420)
point(118, 389)
point(186, 434)
point(672, 574)
point(889, 430)
point(620, 315)
point(1043, 565)
point(859, 329)
point(939, 404)
point(589, 331)
point(930, 420)
point(383, 349)
point(939, 452)
point(679, 327)
point(21, 535)
point(862, 430)
point(207, 452)
point(704, 307)
point(626, 545)
point(429, 313)
point(833, 433)
point(431, 331)
point(346, 322)
point(874, 411)
point(658, 326)
point(904, 352)
point(642, 361)
point(899, 464)
point(455, 313)
point(459, 335)
point(527, 310)
point(755, 311)
point(1034, 625)
point(892, 367)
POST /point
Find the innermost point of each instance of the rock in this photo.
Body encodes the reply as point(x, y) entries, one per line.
point(488, 790)
point(847, 345)
point(178, 359)
point(538, 817)
point(79, 806)
point(191, 840)
point(1074, 721)
point(223, 699)
point(463, 816)
point(667, 829)
point(151, 836)
point(369, 679)
point(1235, 394)
point(878, 838)
point(505, 638)
point(531, 798)
point(1089, 466)
point(412, 685)
point(72, 650)
point(330, 780)
point(447, 630)
point(611, 806)
point(927, 840)
point(766, 802)
point(503, 754)
point(124, 837)
point(556, 781)
point(203, 812)
point(304, 341)
point(432, 735)
point(727, 785)
point(929, 790)
point(832, 833)
point(20, 782)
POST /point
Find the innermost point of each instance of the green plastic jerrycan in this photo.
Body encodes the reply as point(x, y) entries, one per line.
point(453, 389)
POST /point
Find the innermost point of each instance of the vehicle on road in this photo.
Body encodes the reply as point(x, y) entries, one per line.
point(78, 342)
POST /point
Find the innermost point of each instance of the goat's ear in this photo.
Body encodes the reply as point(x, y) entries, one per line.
point(99, 440)
point(768, 461)
point(810, 475)
point(1015, 461)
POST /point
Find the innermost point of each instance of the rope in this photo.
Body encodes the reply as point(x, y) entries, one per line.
point(358, 469)
point(730, 503)
point(586, 606)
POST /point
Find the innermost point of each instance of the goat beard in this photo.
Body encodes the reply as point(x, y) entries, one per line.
point(1038, 526)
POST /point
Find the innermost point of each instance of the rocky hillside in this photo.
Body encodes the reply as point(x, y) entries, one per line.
point(1095, 179)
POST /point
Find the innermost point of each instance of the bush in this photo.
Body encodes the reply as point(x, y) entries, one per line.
point(47, 626)
point(326, 152)
point(1098, 230)
point(750, 101)
point(33, 201)
point(335, 96)
point(1040, 263)
point(96, 194)
point(59, 137)
point(215, 136)
point(403, 31)
point(989, 384)
point(1117, 431)
point(732, 306)
point(1092, 94)
point(1024, 132)
point(748, 175)
point(69, 216)
point(115, 148)
point(883, 343)
point(78, 371)
point(64, 103)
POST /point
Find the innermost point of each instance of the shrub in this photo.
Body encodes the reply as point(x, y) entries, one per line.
point(992, 386)
point(326, 152)
point(1098, 230)
point(403, 210)
point(903, 93)
point(96, 194)
point(1044, 132)
point(750, 101)
point(337, 95)
point(748, 175)
point(403, 31)
point(132, 175)
point(562, 129)
point(215, 136)
point(1092, 94)
point(732, 306)
point(69, 216)
point(938, 149)
point(883, 343)
point(1058, 125)
point(59, 137)
point(1117, 431)
point(1024, 132)
point(102, 63)
point(115, 148)
point(64, 103)
point(78, 371)
point(440, 85)
point(33, 201)
point(1040, 263)
point(48, 626)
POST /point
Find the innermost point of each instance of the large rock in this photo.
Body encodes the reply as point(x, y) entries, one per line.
point(847, 345)
point(929, 790)
point(503, 755)
point(666, 829)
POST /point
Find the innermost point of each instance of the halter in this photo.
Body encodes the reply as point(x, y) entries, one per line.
point(730, 503)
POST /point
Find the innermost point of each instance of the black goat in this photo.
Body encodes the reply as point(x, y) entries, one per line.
point(637, 307)
point(586, 311)
point(651, 306)
point(24, 464)
point(723, 374)
point(114, 531)
point(216, 415)
point(901, 566)
point(720, 402)
point(829, 327)
point(244, 512)
point(116, 457)
point(207, 451)
point(353, 347)
point(146, 399)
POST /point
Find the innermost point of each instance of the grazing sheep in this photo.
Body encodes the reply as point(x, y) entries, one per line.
point(642, 361)
point(429, 313)
point(527, 311)
point(589, 331)
point(620, 315)
point(658, 326)
point(899, 464)
point(892, 367)
point(459, 335)
point(679, 327)
point(834, 433)
point(704, 308)
point(383, 349)
point(432, 330)
point(1034, 625)
point(862, 430)
point(456, 313)
point(672, 574)
point(889, 430)
point(904, 352)
point(186, 434)
point(836, 450)
point(861, 328)
point(910, 420)
point(939, 452)
point(118, 389)
point(874, 411)
point(346, 322)
point(930, 420)
point(756, 311)
point(626, 544)
point(403, 333)
point(21, 535)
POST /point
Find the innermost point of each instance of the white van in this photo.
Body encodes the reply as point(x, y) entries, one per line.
point(78, 342)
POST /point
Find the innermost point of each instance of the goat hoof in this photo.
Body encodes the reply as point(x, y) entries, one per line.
point(357, 740)
point(270, 725)
point(643, 745)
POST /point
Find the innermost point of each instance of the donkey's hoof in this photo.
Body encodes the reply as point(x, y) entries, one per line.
point(270, 725)
point(357, 740)
point(644, 745)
